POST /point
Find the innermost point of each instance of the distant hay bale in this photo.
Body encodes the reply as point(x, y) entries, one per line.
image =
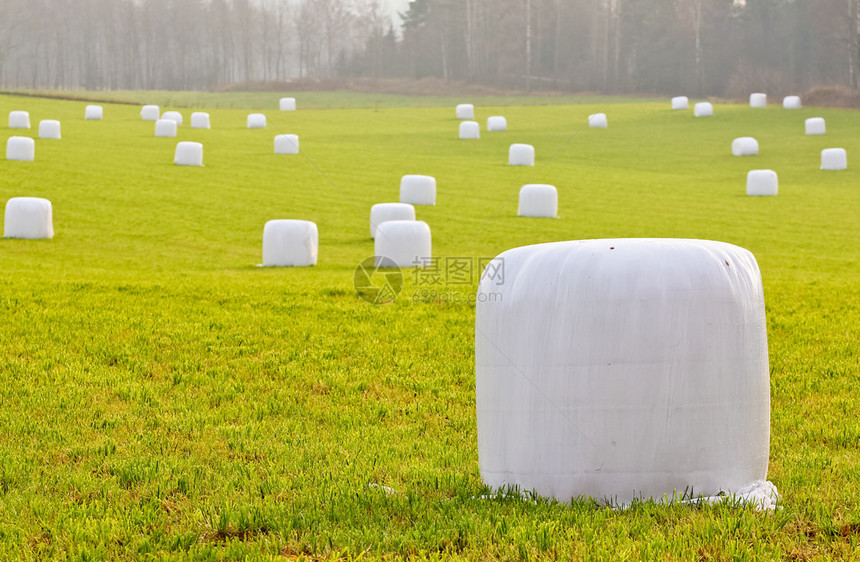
point(465, 111)
point(19, 120)
point(791, 102)
point(470, 130)
point(744, 146)
point(150, 112)
point(200, 120)
point(188, 154)
point(834, 159)
point(497, 123)
point(28, 217)
point(407, 243)
point(680, 102)
point(287, 104)
point(597, 121)
point(703, 109)
point(538, 200)
point(758, 100)
point(384, 212)
point(762, 183)
point(815, 126)
point(290, 243)
point(165, 128)
point(256, 121)
point(418, 190)
point(21, 148)
point(287, 144)
point(49, 129)
point(521, 155)
point(94, 113)
point(174, 115)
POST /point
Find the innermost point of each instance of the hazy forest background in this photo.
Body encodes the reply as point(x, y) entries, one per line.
point(694, 47)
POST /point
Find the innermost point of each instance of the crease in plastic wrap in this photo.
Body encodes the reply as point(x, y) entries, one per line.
point(622, 369)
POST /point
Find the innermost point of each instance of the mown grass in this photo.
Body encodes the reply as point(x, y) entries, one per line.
point(163, 397)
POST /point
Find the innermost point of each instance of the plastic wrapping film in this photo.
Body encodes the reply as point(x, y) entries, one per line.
point(597, 121)
point(174, 115)
point(538, 200)
point(94, 113)
point(49, 129)
point(703, 109)
point(384, 212)
point(150, 112)
point(287, 104)
point(622, 369)
point(834, 159)
point(470, 130)
point(680, 102)
point(758, 100)
point(521, 155)
point(762, 182)
point(815, 126)
point(791, 102)
point(497, 123)
point(21, 148)
point(286, 144)
point(418, 190)
point(165, 128)
point(188, 154)
point(744, 146)
point(465, 111)
point(406, 243)
point(28, 217)
point(256, 121)
point(290, 243)
point(19, 120)
point(200, 120)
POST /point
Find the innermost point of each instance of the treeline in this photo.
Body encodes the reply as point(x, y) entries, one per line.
point(702, 47)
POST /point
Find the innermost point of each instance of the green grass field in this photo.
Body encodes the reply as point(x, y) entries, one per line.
point(163, 397)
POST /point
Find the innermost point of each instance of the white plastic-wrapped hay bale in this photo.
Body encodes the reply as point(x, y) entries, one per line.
point(470, 130)
point(384, 212)
point(200, 120)
point(521, 155)
point(834, 159)
point(287, 104)
point(597, 121)
point(28, 217)
point(19, 120)
point(762, 182)
point(286, 144)
point(744, 146)
point(680, 102)
point(791, 102)
point(815, 126)
point(622, 369)
point(49, 129)
point(188, 154)
point(418, 190)
point(150, 112)
point(94, 113)
point(165, 128)
point(290, 243)
point(538, 200)
point(758, 100)
point(21, 148)
point(497, 123)
point(405, 242)
point(703, 109)
point(174, 115)
point(256, 121)
point(465, 111)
